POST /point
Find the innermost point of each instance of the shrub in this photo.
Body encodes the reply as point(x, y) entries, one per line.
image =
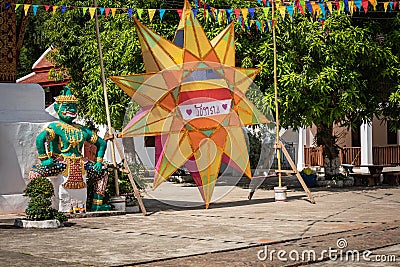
point(40, 190)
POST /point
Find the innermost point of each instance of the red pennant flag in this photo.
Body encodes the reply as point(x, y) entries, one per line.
point(47, 7)
point(180, 12)
point(237, 12)
point(265, 2)
point(107, 11)
point(299, 7)
point(337, 3)
point(205, 10)
point(365, 5)
point(394, 5)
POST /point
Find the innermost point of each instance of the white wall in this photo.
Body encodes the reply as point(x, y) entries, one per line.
point(22, 118)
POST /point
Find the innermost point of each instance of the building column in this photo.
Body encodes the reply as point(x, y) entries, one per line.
point(366, 144)
point(300, 148)
point(8, 43)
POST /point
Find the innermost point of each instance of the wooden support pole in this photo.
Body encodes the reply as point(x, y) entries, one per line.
point(303, 184)
point(278, 150)
point(135, 189)
point(103, 79)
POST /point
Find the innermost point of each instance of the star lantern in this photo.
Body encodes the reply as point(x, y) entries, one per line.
point(194, 98)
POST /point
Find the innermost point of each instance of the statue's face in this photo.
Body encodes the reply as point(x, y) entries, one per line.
point(66, 111)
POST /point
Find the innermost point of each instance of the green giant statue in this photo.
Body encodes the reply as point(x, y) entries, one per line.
point(60, 150)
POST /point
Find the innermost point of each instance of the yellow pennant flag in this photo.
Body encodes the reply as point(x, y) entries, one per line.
point(251, 22)
point(91, 11)
point(245, 13)
point(351, 7)
point(54, 9)
point(373, 3)
point(151, 13)
point(316, 10)
point(113, 10)
point(26, 9)
point(329, 5)
point(385, 5)
point(282, 10)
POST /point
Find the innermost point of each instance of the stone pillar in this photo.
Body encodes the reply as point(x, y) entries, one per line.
point(300, 148)
point(8, 43)
point(366, 144)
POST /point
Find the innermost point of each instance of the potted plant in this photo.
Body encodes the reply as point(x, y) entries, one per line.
point(39, 212)
point(309, 177)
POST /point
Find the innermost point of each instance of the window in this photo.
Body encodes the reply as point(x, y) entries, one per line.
point(391, 133)
point(356, 136)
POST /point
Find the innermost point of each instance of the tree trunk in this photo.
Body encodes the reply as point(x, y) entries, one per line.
point(326, 138)
point(8, 43)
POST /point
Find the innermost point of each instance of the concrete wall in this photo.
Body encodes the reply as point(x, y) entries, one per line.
point(22, 117)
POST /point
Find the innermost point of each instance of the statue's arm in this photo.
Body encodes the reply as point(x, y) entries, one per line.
point(47, 135)
point(101, 146)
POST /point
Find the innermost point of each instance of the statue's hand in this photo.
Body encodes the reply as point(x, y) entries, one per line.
point(48, 162)
point(98, 166)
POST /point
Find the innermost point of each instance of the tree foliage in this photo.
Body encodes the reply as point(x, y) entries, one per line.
point(336, 73)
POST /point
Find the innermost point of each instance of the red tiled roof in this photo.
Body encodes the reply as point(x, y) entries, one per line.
point(41, 78)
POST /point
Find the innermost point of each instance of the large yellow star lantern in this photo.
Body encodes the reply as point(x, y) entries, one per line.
point(194, 98)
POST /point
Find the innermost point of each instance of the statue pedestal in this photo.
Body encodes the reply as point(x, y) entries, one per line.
point(65, 198)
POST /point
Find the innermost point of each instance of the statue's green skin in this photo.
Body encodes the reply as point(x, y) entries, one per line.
point(67, 113)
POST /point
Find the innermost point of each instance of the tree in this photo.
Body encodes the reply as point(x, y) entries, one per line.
point(328, 75)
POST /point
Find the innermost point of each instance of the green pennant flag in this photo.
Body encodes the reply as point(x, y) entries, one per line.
point(139, 12)
point(266, 11)
point(17, 6)
point(84, 9)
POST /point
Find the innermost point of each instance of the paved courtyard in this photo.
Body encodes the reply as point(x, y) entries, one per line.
point(232, 232)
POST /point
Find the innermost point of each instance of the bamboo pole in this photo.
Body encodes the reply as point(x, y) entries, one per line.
point(103, 79)
point(278, 148)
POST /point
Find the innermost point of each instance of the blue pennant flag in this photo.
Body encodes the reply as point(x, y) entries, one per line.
point(162, 11)
point(35, 7)
point(130, 11)
point(229, 14)
point(251, 11)
point(101, 10)
point(63, 8)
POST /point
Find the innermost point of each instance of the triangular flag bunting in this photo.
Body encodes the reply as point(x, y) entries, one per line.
point(385, 6)
point(54, 9)
point(251, 11)
point(329, 7)
point(130, 11)
point(162, 11)
point(113, 11)
point(63, 8)
point(151, 14)
point(245, 13)
point(101, 10)
point(139, 12)
point(26, 9)
point(47, 7)
point(237, 12)
point(35, 7)
point(84, 9)
point(351, 7)
point(290, 11)
point(180, 11)
point(91, 11)
point(17, 6)
point(373, 3)
point(365, 5)
point(107, 11)
point(282, 11)
point(266, 11)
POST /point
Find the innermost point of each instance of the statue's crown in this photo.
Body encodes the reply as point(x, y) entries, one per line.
point(66, 96)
